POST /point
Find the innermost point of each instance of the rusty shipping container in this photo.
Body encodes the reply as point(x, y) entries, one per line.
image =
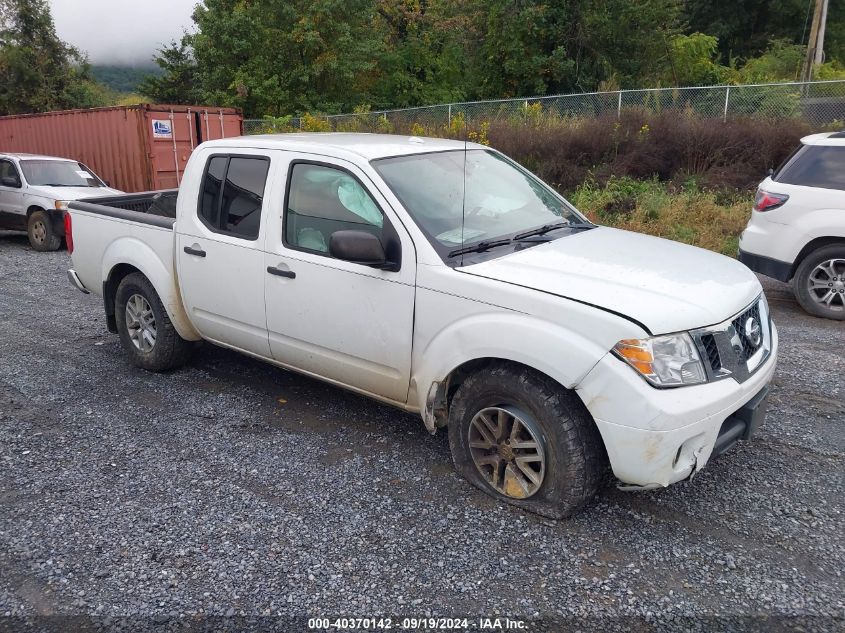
point(134, 148)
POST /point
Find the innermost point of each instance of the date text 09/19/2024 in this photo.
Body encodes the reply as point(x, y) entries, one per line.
point(417, 624)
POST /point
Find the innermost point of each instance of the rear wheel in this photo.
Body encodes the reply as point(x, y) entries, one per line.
point(39, 229)
point(145, 330)
point(522, 438)
point(819, 282)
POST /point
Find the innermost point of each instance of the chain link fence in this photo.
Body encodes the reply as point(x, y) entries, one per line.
point(820, 103)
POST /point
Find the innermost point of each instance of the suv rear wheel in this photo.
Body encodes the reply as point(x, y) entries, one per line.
point(819, 282)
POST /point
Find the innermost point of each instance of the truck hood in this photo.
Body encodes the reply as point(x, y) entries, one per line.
point(664, 285)
point(73, 193)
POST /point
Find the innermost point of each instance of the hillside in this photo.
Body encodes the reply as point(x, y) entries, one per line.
point(122, 79)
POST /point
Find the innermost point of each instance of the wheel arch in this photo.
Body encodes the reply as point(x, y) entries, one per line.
point(814, 245)
point(564, 355)
point(440, 396)
point(130, 255)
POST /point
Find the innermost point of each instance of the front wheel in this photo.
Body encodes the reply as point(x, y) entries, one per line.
point(522, 438)
point(39, 229)
point(819, 282)
point(145, 330)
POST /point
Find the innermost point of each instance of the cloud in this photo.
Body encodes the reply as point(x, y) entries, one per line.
point(121, 31)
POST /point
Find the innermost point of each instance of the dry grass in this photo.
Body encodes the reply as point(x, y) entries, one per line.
point(687, 214)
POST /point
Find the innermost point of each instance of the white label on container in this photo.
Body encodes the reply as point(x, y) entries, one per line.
point(162, 128)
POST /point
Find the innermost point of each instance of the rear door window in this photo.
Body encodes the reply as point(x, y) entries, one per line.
point(232, 194)
point(816, 166)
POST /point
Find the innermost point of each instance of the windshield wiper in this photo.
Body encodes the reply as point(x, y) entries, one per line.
point(546, 228)
point(56, 184)
point(480, 247)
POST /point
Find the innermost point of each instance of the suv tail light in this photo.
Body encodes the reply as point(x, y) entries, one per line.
point(765, 201)
point(69, 233)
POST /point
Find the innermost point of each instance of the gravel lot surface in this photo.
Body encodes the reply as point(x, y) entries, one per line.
point(233, 488)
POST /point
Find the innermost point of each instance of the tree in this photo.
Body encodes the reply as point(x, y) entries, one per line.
point(423, 56)
point(178, 83)
point(39, 72)
point(274, 57)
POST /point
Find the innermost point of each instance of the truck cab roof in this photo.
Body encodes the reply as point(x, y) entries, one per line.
point(368, 146)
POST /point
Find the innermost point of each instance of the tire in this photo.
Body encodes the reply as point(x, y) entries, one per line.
point(39, 229)
point(819, 282)
point(145, 330)
point(574, 460)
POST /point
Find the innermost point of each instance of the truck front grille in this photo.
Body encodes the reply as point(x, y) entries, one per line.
point(736, 347)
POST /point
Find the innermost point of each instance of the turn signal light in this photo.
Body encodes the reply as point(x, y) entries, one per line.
point(637, 355)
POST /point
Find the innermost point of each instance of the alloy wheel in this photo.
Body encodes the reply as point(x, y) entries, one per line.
point(507, 449)
point(141, 323)
point(826, 284)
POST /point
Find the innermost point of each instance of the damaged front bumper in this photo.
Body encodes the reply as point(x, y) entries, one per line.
point(656, 437)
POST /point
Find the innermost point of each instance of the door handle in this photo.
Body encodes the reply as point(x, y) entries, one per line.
point(195, 251)
point(281, 273)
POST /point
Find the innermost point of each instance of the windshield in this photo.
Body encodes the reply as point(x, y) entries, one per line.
point(502, 199)
point(59, 173)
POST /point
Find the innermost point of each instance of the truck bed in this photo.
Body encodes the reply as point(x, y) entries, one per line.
point(134, 229)
point(149, 207)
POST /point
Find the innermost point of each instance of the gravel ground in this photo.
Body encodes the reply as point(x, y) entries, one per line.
point(237, 490)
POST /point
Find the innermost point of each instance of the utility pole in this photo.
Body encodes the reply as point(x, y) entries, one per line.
point(815, 45)
point(820, 39)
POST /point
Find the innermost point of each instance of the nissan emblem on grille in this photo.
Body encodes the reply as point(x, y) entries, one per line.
point(753, 332)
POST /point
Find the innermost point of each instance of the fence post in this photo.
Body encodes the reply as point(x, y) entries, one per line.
point(450, 117)
point(727, 97)
point(619, 106)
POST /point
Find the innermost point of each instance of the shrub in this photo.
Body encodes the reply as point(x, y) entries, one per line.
point(669, 146)
point(686, 214)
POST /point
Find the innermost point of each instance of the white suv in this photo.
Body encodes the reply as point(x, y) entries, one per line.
point(35, 191)
point(797, 228)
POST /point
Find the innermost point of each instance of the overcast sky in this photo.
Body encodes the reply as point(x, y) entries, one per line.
point(121, 31)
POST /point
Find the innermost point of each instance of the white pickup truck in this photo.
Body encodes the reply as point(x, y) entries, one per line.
point(444, 279)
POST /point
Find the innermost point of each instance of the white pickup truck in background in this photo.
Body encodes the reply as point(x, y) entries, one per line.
point(444, 279)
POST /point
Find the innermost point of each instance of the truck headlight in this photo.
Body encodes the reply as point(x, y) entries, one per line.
point(671, 360)
point(61, 205)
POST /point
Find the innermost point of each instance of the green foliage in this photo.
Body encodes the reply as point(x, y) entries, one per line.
point(276, 57)
point(693, 61)
point(628, 41)
point(288, 57)
point(176, 83)
point(781, 61)
point(38, 71)
point(684, 213)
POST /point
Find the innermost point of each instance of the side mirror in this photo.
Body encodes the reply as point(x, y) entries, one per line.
point(11, 181)
point(770, 172)
point(359, 247)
